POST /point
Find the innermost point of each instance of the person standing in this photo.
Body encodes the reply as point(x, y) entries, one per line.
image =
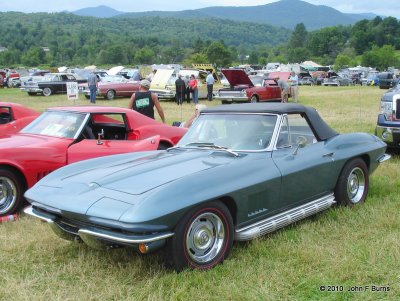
point(92, 84)
point(283, 85)
point(194, 89)
point(135, 75)
point(144, 101)
point(180, 88)
point(210, 84)
point(294, 86)
point(187, 96)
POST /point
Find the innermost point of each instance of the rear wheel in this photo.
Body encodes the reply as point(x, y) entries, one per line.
point(110, 95)
point(353, 183)
point(47, 91)
point(11, 190)
point(254, 99)
point(203, 238)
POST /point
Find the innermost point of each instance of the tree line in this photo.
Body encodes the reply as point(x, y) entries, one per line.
point(56, 39)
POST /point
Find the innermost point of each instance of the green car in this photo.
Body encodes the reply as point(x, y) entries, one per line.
point(241, 171)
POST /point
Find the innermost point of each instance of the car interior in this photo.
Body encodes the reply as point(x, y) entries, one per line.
point(109, 126)
point(5, 116)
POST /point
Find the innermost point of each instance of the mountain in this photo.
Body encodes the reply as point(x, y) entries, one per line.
point(101, 11)
point(284, 13)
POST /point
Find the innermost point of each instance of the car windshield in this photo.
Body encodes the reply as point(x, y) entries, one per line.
point(56, 124)
point(246, 132)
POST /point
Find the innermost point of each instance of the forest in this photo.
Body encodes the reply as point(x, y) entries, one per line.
point(55, 39)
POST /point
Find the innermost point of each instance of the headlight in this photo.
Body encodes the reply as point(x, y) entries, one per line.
point(243, 93)
point(387, 110)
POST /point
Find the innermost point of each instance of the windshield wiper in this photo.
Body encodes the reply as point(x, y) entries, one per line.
point(212, 146)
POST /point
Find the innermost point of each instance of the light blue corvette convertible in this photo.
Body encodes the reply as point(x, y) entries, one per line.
point(241, 171)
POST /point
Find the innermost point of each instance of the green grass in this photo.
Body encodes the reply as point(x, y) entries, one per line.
point(341, 246)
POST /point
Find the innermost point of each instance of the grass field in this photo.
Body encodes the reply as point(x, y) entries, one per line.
point(341, 249)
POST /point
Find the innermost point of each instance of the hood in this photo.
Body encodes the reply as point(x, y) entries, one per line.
point(119, 182)
point(160, 79)
point(237, 77)
point(26, 140)
point(281, 74)
point(138, 175)
point(115, 70)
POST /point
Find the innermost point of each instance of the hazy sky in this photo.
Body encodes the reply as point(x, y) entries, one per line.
point(383, 7)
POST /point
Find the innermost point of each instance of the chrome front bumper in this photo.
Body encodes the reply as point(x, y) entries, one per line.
point(231, 98)
point(390, 135)
point(99, 238)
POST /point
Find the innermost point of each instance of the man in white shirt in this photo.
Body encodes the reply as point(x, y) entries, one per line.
point(294, 86)
point(210, 83)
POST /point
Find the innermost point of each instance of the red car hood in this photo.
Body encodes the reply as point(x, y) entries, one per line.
point(237, 77)
point(25, 140)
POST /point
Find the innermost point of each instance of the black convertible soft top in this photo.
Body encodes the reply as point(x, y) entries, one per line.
point(321, 129)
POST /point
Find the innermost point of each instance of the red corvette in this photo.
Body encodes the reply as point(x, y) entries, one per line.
point(64, 135)
point(14, 117)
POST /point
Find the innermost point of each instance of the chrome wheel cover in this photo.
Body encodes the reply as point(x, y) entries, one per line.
point(253, 99)
point(46, 91)
point(356, 185)
point(205, 238)
point(8, 194)
point(110, 95)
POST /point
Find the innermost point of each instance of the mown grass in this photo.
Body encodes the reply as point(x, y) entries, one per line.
point(342, 246)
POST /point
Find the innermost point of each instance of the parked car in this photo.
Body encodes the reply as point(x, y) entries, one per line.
point(118, 87)
point(388, 124)
point(32, 77)
point(243, 89)
point(371, 79)
point(64, 135)
point(13, 117)
point(52, 83)
point(387, 80)
point(338, 80)
point(240, 171)
point(306, 81)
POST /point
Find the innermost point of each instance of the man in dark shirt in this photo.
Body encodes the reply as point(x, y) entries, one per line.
point(144, 101)
point(180, 88)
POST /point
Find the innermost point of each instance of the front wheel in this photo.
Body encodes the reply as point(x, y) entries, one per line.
point(11, 190)
point(353, 183)
point(203, 238)
point(254, 99)
point(47, 91)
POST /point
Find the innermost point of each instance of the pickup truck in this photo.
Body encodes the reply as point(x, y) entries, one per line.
point(388, 124)
point(387, 80)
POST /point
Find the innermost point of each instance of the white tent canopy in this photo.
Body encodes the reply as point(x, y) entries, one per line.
point(91, 67)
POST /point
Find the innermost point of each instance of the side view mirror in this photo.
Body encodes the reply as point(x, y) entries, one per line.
point(301, 142)
point(99, 137)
